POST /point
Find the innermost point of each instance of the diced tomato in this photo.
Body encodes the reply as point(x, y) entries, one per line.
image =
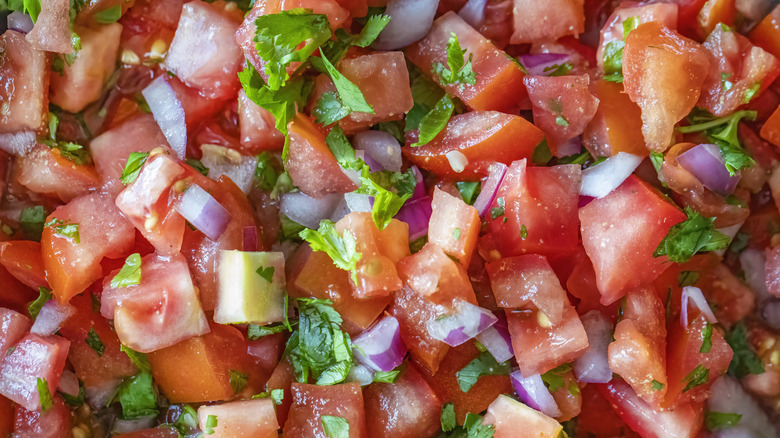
point(197, 108)
point(54, 423)
point(44, 170)
point(434, 275)
point(158, 432)
point(513, 419)
point(87, 13)
point(311, 165)
point(407, 408)
point(51, 32)
point(103, 232)
point(204, 53)
point(687, 17)
point(683, 422)
point(534, 212)
point(209, 360)
point(484, 137)
point(548, 20)
point(638, 353)
point(98, 370)
point(714, 12)
point(14, 294)
point(264, 355)
point(738, 72)
point(356, 8)
point(81, 82)
point(162, 310)
point(242, 419)
point(23, 260)
point(6, 416)
point(413, 311)
point(313, 274)
point(445, 382)
point(617, 124)
point(771, 270)
point(148, 25)
point(258, 127)
point(148, 205)
point(598, 419)
point(111, 149)
point(13, 327)
point(562, 107)
point(497, 26)
point(384, 81)
point(25, 77)
point(621, 231)
point(499, 81)
point(32, 358)
point(770, 130)
point(311, 402)
point(282, 378)
point(766, 34)
point(568, 397)
point(454, 226)
point(663, 73)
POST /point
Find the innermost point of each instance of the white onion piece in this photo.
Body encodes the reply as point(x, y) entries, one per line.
point(490, 188)
point(99, 396)
point(727, 395)
point(220, 160)
point(204, 212)
point(464, 323)
point(127, 426)
point(380, 347)
point(168, 113)
point(593, 365)
point(69, 383)
point(457, 160)
point(570, 147)
point(51, 317)
point(19, 22)
point(381, 147)
point(753, 264)
point(771, 313)
point(410, 20)
point(361, 374)
point(306, 210)
point(600, 180)
point(359, 202)
point(693, 293)
point(533, 392)
point(497, 341)
point(473, 12)
point(730, 232)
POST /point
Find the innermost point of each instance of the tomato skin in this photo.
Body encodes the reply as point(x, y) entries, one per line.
point(407, 408)
point(653, 58)
point(13, 327)
point(25, 73)
point(436, 277)
point(413, 311)
point(499, 81)
point(598, 419)
point(484, 137)
point(617, 124)
point(770, 130)
point(513, 419)
point(767, 33)
point(242, 419)
point(539, 212)
point(14, 294)
point(311, 402)
point(24, 261)
point(282, 378)
point(621, 231)
point(568, 399)
point(6, 416)
point(54, 423)
point(46, 171)
point(34, 356)
point(550, 20)
point(445, 383)
point(454, 226)
point(258, 127)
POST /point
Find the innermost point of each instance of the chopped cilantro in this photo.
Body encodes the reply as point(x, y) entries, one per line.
point(140, 360)
point(211, 423)
point(553, 379)
point(71, 151)
point(469, 190)
point(448, 420)
point(276, 395)
point(458, 70)
point(109, 15)
point(341, 249)
point(386, 376)
point(656, 385)
point(137, 396)
point(482, 365)
point(523, 232)
point(432, 123)
point(265, 174)
point(34, 308)
point(44, 395)
point(329, 109)
point(258, 331)
point(613, 52)
point(706, 343)
point(267, 273)
point(339, 145)
point(698, 376)
point(456, 234)
point(135, 161)
point(727, 84)
point(238, 380)
point(75, 400)
point(198, 165)
point(31, 220)
point(335, 427)
point(497, 212)
point(721, 420)
point(558, 69)
point(745, 361)
point(130, 274)
point(751, 92)
point(426, 94)
point(561, 121)
point(349, 93)
point(94, 342)
point(687, 278)
point(542, 154)
point(369, 33)
point(187, 422)
point(696, 233)
point(390, 192)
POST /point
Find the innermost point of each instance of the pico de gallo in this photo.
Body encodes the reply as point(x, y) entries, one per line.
point(389, 218)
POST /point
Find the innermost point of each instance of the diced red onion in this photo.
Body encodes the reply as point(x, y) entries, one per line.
point(753, 263)
point(533, 392)
point(490, 188)
point(380, 147)
point(473, 12)
point(416, 213)
point(99, 396)
point(570, 147)
point(380, 347)
point(373, 165)
point(771, 313)
point(51, 317)
point(127, 426)
point(705, 162)
point(600, 180)
point(728, 395)
point(168, 113)
point(464, 323)
point(410, 20)
point(419, 189)
point(542, 64)
point(204, 212)
point(306, 210)
point(584, 200)
point(593, 365)
point(497, 341)
point(730, 232)
point(693, 293)
point(19, 22)
point(361, 374)
point(69, 383)
point(251, 238)
point(220, 160)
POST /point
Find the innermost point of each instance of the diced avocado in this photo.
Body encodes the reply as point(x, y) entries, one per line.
point(251, 287)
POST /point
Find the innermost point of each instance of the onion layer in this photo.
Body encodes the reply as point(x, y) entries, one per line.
point(535, 394)
point(705, 162)
point(490, 188)
point(204, 212)
point(693, 293)
point(168, 113)
point(416, 213)
point(543, 64)
point(497, 341)
point(51, 317)
point(600, 180)
point(380, 348)
point(381, 147)
point(473, 12)
point(19, 22)
point(306, 210)
point(466, 322)
point(410, 20)
point(593, 365)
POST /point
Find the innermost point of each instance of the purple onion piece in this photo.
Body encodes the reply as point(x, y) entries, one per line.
point(19, 22)
point(543, 64)
point(490, 188)
point(705, 162)
point(692, 293)
point(306, 210)
point(381, 148)
point(410, 21)
point(771, 313)
point(204, 212)
point(380, 347)
point(251, 238)
point(593, 365)
point(51, 317)
point(373, 165)
point(419, 189)
point(473, 12)
point(497, 341)
point(465, 322)
point(416, 213)
point(569, 147)
point(534, 393)
point(168, 113)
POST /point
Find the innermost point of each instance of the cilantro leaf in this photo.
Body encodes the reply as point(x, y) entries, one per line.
point(109, 15)
point(187, 422)
point(697, 376)
point(341, 249)
point(426, 94)
point(706, 343)
point(335, 427)
point(74, 400)
point(482, 365)
point(44, 395)
point(656, 385)
point(130, 274)
point(469, 190)
point(458, 70)
point(723, 132)
point(349, 93)
point(696, 233)
point(387, 201)
point(448, 420)
point(287, 37)
point(71, 151)
point(31, 220)
point(238, 380)
point(329, 109)
point(140, 360)
point(745, 361)
point(277, 395)
point(94, 342)
point(613, 52)
point(197, 165)
point(374, 25)
point(721, 420)
point(211, 423)
point(267, 273)
point(553, 379)
point(386, 376)
point(432, 123)
point(32, 8)
point(34, 308)
point(137, 396)
point(339, 145)
point(265, 173)
point(475, 429)
point(258, 331)
point(135, 161)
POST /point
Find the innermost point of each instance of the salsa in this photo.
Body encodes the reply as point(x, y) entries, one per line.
point(389, 218)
